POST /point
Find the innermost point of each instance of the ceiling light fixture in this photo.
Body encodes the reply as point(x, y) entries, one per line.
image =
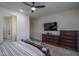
point(33, 8)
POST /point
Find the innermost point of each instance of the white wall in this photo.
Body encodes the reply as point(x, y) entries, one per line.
point(22, 23)
point(67, 20)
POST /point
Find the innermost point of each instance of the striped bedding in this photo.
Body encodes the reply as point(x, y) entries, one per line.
point(19, 48)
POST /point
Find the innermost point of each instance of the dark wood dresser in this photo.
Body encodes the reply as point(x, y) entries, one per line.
point(66, 39)
point(51, 39)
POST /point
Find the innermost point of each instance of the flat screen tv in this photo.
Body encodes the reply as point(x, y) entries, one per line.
point(50, 26)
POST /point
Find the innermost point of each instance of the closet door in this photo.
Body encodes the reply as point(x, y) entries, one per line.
point(9, 28)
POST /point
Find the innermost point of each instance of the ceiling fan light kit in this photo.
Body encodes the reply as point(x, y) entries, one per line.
point(33, 7)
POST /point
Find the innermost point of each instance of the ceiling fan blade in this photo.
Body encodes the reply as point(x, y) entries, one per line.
point(41, 6)
point(27, 4)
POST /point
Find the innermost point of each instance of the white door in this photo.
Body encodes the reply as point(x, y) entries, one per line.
point(9, 33)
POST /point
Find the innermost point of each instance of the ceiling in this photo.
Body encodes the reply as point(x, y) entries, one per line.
point(51, 7)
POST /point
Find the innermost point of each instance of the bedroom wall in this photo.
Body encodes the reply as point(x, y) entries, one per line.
point(23, 29)
point(67, 20)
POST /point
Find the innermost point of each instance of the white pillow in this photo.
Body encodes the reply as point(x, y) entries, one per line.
point(29, 40)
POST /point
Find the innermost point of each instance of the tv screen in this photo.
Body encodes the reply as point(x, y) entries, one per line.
point(50, 26)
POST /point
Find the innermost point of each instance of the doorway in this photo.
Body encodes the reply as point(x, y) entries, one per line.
point(9, 29)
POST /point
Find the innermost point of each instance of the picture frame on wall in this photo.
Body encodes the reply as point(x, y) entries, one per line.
point(50, 26)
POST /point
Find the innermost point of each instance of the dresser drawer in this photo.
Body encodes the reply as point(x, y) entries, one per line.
point(68, 41)
point(68, 44)
point(68, 37)
point(68, 33)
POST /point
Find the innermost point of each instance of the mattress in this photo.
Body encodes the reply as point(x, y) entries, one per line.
point(19, 48)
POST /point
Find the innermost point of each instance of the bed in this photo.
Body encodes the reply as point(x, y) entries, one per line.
point(19, 48)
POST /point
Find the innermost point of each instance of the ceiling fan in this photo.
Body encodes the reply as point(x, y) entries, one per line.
point(33, 6)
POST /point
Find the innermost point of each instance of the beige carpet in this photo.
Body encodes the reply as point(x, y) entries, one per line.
point(58, 51)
